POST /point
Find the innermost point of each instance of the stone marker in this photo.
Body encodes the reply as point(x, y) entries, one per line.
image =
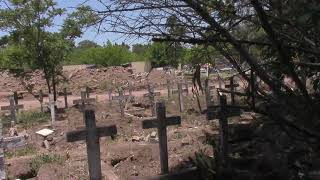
point(12, 108)
point(83, 101)
point(151, 94)
point(161, 123)
point(91, 135)
point(122, 99)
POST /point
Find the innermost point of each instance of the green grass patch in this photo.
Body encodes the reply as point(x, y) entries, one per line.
point(30, 118)
point(42, 159)
point(28, 150)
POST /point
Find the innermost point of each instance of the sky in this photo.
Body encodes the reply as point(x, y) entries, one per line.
point(91, 33)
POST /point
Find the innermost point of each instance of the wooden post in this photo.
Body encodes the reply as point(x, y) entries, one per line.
point(52, 109)
point(181, 105)
point(151, 94)
point(15, 96)
point(130, 89)
point(65, 93)
point(161, 123)
point(92, 135)
point(223, 124)
point(252, 83)
point(169, 88)
point(110, 97)
point(87, 92)
point(187, 87)
point(232, 90)
point(41, 99)
point(121, 98)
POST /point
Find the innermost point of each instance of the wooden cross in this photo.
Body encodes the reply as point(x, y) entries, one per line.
point(151, 94)
point(232, 87)
point(161, 122)
point(121, 98)
point(169, 88)
point(12, 108)
point(15, 96)
point(91, 135)
point(83, 101)
point(209, 102)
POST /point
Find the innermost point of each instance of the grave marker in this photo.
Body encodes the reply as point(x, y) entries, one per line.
point(110, 96)
point(121, 98)
point(161, 122)
point(12, 108)
point(87, 92)
point(92, 135)
point(83, 101)
point(15, 96)
point(209, 102)
point(151, 94)
point(232, 87)
point(2, 165)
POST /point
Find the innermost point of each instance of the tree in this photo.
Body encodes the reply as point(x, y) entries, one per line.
point(31, 45)
point(283, 40)
point(85, 44)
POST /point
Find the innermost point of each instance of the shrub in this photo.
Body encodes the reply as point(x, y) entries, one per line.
point(42, 159)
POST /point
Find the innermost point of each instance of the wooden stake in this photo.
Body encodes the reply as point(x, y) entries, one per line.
point(181, 105)
point(65, 93)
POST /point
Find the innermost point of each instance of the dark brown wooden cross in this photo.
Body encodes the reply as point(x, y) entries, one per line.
point(122, 99)
point(13, 107)
point(232, 87)
point(83, 101)
point(91, 135)
point(161, 123)
point(151, 94)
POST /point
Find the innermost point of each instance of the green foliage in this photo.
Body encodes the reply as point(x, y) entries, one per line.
point(28, 150)
point(31, 118)
point(109, 55)
point(42, 159)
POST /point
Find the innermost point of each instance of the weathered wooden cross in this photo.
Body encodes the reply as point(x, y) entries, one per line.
point(151, 94)
point(87, 92)
point(91, 135)
point(65, 94)
point(232, 87)
point(222, 112)
point(122, 99)
point(83, 101)
point(13, 107)
point(161, 122)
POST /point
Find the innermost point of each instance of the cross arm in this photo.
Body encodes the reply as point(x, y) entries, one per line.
point(82, 134)
point(6, 108)
point(153, 123)
point(88, 100)
point(234, 92)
